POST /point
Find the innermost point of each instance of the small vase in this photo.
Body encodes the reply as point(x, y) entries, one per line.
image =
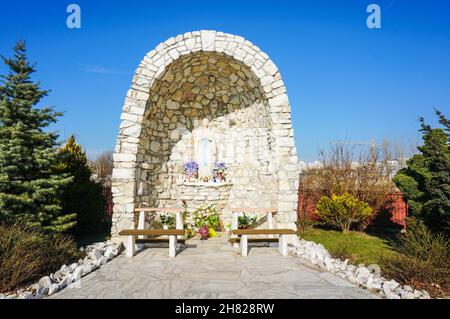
point(203, 233)
point(165, 227)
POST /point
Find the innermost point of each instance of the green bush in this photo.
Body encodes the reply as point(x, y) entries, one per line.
point(343, 211)
point(425, 181)
point(27, 254)
point(29, 189)
point(83, 196)
point(422, 260)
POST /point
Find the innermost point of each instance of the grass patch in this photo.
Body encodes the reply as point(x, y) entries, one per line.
point(358, 247)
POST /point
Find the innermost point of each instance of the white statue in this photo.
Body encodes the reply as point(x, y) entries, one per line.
point(205, 149)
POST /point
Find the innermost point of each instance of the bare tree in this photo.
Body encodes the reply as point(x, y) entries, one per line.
point(366, 175)
point(102, 166)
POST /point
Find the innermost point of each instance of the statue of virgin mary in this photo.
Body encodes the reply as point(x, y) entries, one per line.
point(205, 149)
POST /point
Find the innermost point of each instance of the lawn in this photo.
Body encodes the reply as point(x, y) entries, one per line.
point(358, 247)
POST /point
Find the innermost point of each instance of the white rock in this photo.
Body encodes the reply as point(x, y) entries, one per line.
point(417, 294)
point(362, 273)
point(109, 253)
point(45, 282)
point(65, 270)
point(53, 289)
point(38, 291)
point(87, 268)
point(64, 282)
point(73, 267)
point(374, 283)
point(391, 295)
point(408, 288)
point(103, 260)
point(328, 264)
point(95, 254)
point(208, 38)
point(390, 285)
point(77, 273)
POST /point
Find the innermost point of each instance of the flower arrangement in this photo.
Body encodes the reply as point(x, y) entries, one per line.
point(206, 215)
point(191, 169)
point(246, 221)
point(167, 220)
point(219, 172)
point(205, 218)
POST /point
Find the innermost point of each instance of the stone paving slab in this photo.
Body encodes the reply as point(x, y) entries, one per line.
point(211, 269)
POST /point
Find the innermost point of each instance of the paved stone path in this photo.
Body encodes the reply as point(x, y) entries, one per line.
point(211, 269)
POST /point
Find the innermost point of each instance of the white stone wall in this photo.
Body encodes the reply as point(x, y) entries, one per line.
point(206, 74)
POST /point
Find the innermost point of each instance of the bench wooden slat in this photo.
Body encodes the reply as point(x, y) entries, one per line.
point(254, 240)
point(156, 241)
point(154, 209)
point(263, 232)
point(253, 210)
point(151, 232)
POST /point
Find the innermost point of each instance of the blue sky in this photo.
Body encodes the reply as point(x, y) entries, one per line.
point(344, 81)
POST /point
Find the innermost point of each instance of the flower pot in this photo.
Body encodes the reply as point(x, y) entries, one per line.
point(204, 231)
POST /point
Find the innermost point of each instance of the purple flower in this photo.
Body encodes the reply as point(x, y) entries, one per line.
point(191, 167)
point(220, 166)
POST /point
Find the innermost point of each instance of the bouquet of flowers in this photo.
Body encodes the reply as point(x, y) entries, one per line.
point(219, 171)
point(246, 221)
point(206, 217)
point(167, 220)
point(191, 169)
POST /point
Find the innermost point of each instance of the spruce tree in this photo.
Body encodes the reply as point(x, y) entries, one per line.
point(83, 196)
point(29, 187)
point(425, 181)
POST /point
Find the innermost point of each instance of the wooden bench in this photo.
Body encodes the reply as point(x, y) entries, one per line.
point(177, 211)
point(246, 210)
point(132, 233)
point(154, 210)
point(282, 239)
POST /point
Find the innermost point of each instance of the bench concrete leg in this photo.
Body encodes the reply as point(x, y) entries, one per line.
point(172, 245)
point(282, 245)
point(270, 223)
point(235, 226)
point(244, 245)
point(131, 246)
point(141, 225)
point(179, 225)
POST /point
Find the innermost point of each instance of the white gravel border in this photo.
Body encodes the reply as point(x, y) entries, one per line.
point(360, 275)
point(96, 255)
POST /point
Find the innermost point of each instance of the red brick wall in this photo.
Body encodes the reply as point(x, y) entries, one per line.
point(398, 207)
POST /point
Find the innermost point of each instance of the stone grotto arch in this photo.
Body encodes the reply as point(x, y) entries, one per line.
point(228, 80)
